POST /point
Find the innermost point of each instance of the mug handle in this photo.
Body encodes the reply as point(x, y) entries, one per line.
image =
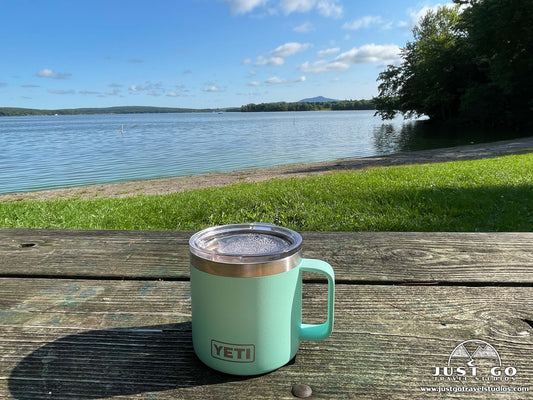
point(320, 331)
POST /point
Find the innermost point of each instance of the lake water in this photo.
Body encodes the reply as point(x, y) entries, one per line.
point(49, 152)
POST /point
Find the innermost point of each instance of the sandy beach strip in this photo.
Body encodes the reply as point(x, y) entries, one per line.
point(186, 183)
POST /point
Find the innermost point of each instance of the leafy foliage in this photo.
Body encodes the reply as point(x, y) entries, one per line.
point(310, 106)
point(471, 66)
point(500, 40)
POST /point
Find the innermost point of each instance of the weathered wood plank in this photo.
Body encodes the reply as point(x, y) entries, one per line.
point(112, 254)
point(161, 365)
point(477, 258)
point(93, 304)
point(87, 339)
point(437, 257)
point(102, 336)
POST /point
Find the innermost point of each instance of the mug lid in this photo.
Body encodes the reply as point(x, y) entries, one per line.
point(245, 243)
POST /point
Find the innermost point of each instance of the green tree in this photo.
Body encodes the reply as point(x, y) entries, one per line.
point(431, 77)
point(500, 40)
point(473, 66)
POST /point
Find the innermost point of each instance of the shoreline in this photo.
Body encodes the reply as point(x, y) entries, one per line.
point(218, 179)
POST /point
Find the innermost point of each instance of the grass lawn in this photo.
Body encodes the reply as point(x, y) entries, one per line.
point(483, 195)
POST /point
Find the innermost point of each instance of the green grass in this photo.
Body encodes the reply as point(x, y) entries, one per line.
point(482, 195)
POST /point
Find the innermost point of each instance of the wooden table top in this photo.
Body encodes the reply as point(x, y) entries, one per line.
point(107, 314)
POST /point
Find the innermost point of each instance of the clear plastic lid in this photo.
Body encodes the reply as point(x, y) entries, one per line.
point(245, 243)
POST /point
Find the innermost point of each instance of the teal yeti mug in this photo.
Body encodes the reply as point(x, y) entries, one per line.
point(246, 294)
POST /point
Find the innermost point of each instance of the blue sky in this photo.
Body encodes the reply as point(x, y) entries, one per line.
point(197, 53)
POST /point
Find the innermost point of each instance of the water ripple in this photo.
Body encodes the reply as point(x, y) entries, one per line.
point(48, 152)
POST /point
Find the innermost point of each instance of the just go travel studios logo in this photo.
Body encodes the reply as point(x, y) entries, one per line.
point(475, 360)
point(475, 365)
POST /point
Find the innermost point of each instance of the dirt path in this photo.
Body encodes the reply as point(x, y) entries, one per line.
point(181, 184)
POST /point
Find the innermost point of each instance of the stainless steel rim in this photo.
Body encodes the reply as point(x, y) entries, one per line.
point(245, 270)
point(244, 265)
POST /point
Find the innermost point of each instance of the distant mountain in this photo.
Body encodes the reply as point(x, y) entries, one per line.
point(316, 99)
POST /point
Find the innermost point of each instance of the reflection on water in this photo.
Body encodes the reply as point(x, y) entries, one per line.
point(424, 135)
point(48, 152)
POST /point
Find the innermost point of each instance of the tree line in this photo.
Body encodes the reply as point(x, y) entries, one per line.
point(471, 63)
point(14, 111)
point(310, 106)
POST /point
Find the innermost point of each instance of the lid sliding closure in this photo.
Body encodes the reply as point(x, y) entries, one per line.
point(245, 250)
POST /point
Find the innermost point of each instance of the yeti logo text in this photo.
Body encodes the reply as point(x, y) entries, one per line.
point(241, 353)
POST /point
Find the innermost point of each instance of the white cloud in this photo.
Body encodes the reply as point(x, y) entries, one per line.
point(369, 53)
point(86, 92)
point(153, 89)
point(277, 56)
point(212, 89)
point(416, 15)
point(363, 22)
point(275, 80)
point(403, 25)
point(288, 49)
point(290, 6)
point(327, 52)
point(304, 28)
point(181, 90)
point(321, 66)
point(114, 92)
point(48, 73)
point(244, 6)
point(329, 8)
point(272, 61)
point(60, 91)
point(254, 83)
point(326, 8)
point(246, 61)
point(140, 88)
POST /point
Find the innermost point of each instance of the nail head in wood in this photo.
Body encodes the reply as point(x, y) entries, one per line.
point(302, 391)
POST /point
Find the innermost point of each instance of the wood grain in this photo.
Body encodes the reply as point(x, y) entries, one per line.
point(107, 314)
point(95, 339)
point(362, 257)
